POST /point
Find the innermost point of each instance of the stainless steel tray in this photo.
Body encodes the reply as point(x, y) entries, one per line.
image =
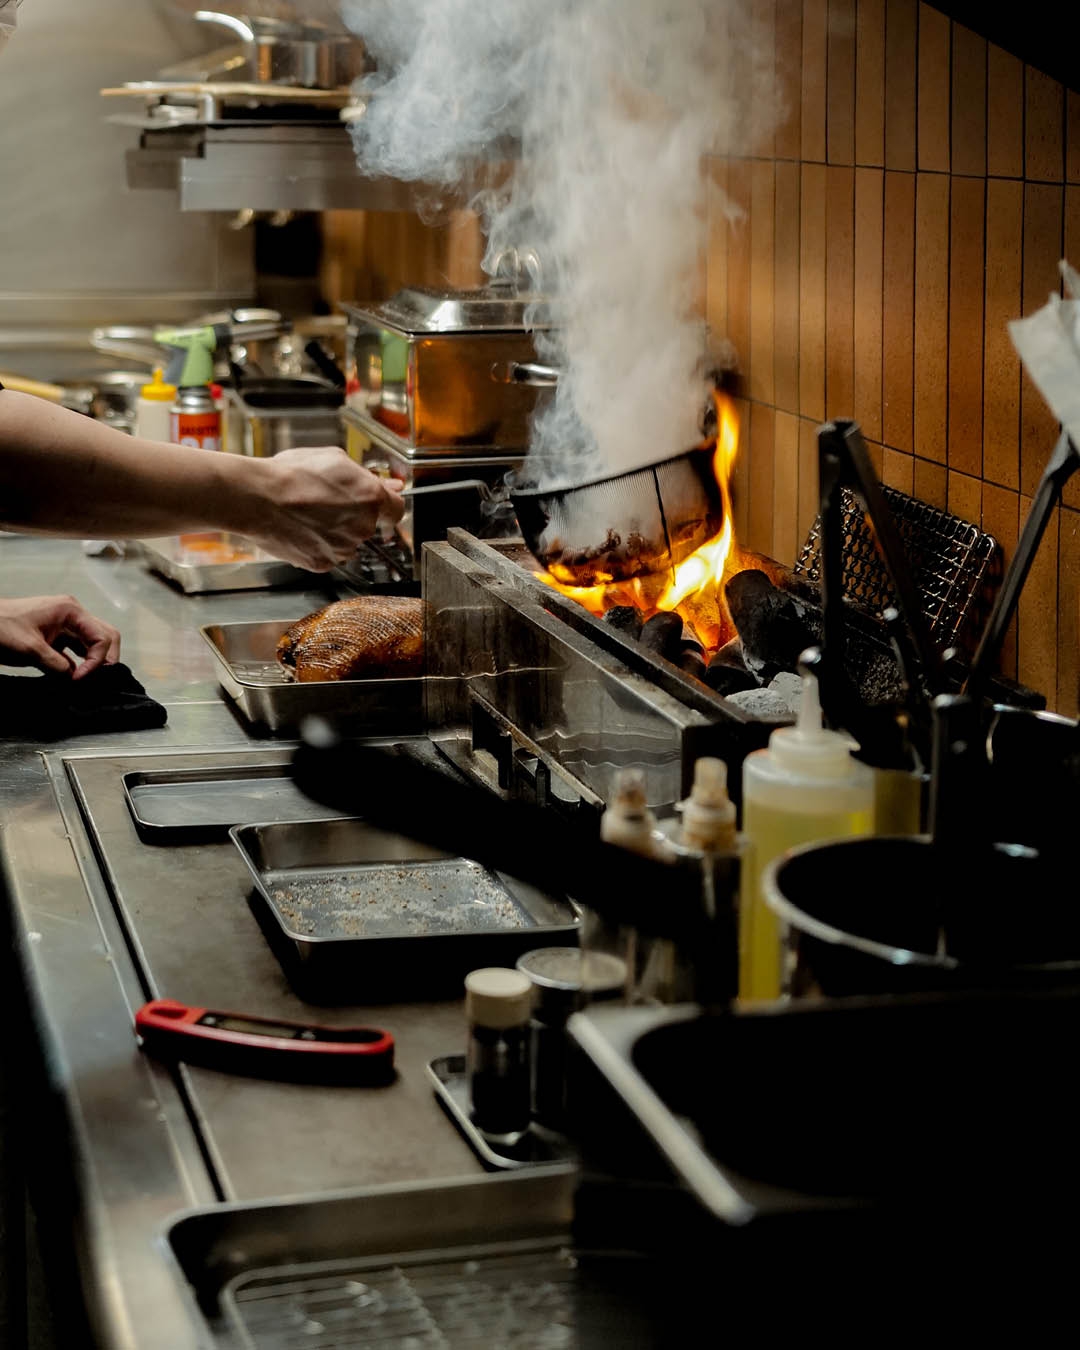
point(249, 673)
point(536, 1148)
point(200, 804)
point(199, 569)
point(357, 911)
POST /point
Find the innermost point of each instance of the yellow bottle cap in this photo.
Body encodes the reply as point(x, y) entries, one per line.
point(158, 391)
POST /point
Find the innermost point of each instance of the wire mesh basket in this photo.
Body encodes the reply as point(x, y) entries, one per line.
point(956, 567)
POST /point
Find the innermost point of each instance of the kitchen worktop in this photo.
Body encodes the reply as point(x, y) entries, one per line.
point(147, 1144)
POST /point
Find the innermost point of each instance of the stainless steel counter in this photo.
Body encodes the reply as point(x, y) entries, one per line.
point(145, 1143)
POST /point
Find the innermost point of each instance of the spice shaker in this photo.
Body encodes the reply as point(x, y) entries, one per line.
point(564, 980)
point(498, 1003)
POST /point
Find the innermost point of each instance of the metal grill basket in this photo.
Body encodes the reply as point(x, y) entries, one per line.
point(955, 566)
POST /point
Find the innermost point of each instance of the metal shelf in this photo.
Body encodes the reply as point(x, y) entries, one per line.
point(269, 166)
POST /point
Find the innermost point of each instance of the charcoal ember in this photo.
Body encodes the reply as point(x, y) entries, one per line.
point(663, 634)
point(691, 659)
point(731, 655)
point(725, 679)
point(773, 626)
point(625, 619)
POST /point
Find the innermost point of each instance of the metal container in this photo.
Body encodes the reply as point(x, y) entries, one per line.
point(218, 561)
point(430, 367)
point(264, 417)
point(251, 676)
point(356, 912)
point(282, 51)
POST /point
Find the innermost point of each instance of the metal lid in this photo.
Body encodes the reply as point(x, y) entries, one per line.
point(489, 309)
point(571, 969)
point(498, 997)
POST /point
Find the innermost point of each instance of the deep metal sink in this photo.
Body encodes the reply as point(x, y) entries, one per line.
point(486, 1261)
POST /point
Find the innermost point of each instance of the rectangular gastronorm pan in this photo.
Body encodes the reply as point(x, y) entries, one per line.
point(249, 672)
point(204, 803)
point(197, 575)
point(359, 912)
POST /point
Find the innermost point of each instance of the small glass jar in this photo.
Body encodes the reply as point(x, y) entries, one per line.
point(498, 1004)
point(564, 980)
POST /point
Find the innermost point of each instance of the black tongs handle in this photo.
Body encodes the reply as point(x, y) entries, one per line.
point(844, 463)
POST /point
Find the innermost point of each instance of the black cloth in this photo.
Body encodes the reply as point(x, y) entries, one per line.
point(53, 707)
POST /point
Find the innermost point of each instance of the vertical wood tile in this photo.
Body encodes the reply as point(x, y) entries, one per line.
point(870, 83)
point(1004, 113)
point(930, 484)
point(931, 315)
point(933, 90)
point(716, 250)
point(899, 310)
point(965, 496)
point(1001, 518)
point(738, 263)
point(1072, 136)
point(1044, 110)
point(762, 263)
point(898, 471)
point(814, 47)
point(1001, 365)
point(1036, 619)
point(968, 101)
point(840, 85)
point(763, 103)
point(1068, 669)
point(876, 451)
point(966, 283)
point(789, 78)
point(740, 474)
point(869, 228)
point(901, 24)
point(785, 539)
point(812, 292)
point(839, 292)
point(1043, 211)
point(759, 531)
point(1071, 494)
point(786, 320)
point(809, 480)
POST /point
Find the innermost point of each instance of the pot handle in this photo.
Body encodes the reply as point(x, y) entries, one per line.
point(525, 372)
point(230, 21)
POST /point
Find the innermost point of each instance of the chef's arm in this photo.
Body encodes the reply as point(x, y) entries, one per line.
point(65, 474)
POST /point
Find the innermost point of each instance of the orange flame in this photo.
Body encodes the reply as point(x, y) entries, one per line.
point(694, 589)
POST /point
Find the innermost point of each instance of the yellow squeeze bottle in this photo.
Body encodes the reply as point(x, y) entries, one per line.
point(805, 786)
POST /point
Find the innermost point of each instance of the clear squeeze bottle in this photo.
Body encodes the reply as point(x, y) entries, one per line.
point(805, 786)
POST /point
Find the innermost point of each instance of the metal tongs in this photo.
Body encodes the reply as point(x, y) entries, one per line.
point(844, 463)
point(958, 724)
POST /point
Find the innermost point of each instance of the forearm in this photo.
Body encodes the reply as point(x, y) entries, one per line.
point(64, 474)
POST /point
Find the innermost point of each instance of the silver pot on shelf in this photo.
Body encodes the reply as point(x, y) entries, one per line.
point(290, 52)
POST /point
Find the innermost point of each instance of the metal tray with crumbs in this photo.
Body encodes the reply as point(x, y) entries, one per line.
point(362, 913)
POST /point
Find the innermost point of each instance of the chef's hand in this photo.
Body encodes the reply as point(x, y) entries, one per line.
point(35, 631)
point(320, 506)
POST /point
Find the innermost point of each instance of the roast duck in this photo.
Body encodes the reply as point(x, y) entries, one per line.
point(367, 637)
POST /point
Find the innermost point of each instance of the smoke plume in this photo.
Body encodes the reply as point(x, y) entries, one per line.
point(613, 105)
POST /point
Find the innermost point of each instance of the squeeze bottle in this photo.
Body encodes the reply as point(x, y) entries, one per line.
point(805, 786)
point(152, 411)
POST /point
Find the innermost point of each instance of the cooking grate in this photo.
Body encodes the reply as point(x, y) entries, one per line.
point(524, 1300)
point(955, 566)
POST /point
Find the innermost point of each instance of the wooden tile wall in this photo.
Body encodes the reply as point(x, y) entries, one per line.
point(917, 193)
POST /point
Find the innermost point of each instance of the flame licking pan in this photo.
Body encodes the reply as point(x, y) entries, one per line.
point(622, 525)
